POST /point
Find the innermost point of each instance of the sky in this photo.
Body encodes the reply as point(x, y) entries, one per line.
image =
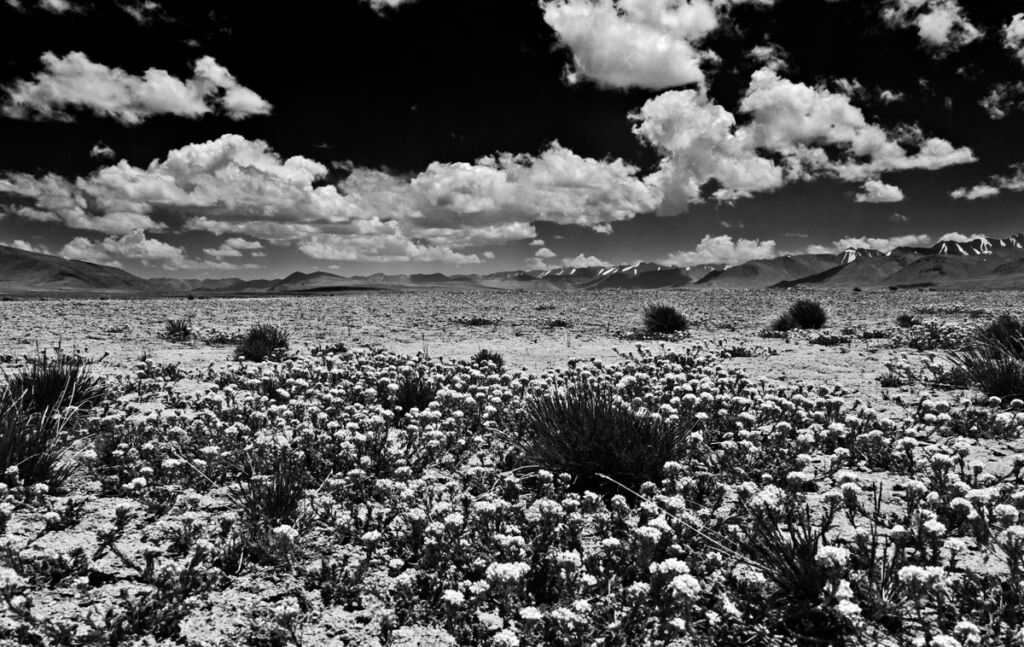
point(244, 139)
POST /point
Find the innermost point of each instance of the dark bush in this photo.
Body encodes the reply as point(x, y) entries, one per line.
point(1005, 332)
point(483, 355)
point(585, 430)
point(55, 381)
point(808, 314)
point(178, 329)
point(993, 359)
point(414, 392)
point(476, 321)
point(805, 314)
point(907, 321)
point(262, 342)
point(272, 489)
point(35, 442)
point(660, 318)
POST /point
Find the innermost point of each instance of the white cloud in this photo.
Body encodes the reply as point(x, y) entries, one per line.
point(233, 186)
point(878, 191)
point(863, 242)
point(233, 248)
point(637, 43)
point(957, 237)
point(723, 249)
point(941, 24)
point(792, 132)
point(137, 247)
point(994, 185)
point(381, 5)
point(582, 261)
point(1002, 99)
point(26, 246)
point(544, 252)
point(57, 6)
point(536, 242)
point(1013, 36)
point(75, 82)
point(102, 151)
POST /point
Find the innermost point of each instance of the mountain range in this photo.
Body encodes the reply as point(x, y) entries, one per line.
point(982, 263)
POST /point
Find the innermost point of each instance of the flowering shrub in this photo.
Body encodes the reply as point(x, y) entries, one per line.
point(454, 497)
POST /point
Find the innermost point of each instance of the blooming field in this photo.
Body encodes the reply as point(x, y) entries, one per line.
point(373, 495)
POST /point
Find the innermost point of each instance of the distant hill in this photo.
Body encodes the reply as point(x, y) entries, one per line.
point(766, 273)
point(22, 271)
point(983, 263)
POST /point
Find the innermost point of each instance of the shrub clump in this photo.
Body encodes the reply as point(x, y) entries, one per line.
point(907, 321)
point(484, 355)
point(586, 430)
point(660, 318)
point(993, 358)
point(262, 342)
point(178, 330)
point(804, 314)
point(35, 443)
point(53, 382)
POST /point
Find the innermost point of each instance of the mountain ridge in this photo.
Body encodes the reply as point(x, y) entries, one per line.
point(975, 264)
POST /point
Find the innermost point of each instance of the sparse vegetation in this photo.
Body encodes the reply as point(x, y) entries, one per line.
point(484, 356)
point(178, 330)
point(585, 430)
point(475, 320)
point(53, 381)
point(993, 358)
point(34, 444)
point(907, 321)
point(663, 319)
point(803, 314)
point(263, 342)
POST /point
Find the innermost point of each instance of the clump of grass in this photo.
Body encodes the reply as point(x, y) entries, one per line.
point(262, 342)
point(803, 314)
point(272, 490)
point(54, 381)
point(178, 329)
point(907, 321)
point(585, 430)
point(484, 355)
point(476, 321)
point(993, 359)
point(556, 323)
point(661, 318)
point(35, 442)
point(415, 391)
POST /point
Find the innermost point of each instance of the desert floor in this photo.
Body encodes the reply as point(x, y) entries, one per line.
point(588, 325)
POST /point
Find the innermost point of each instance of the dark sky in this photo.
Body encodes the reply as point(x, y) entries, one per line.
point(266, 138)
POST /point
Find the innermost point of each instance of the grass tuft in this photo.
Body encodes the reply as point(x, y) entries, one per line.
point(585, 430)
point(54, 381)
point(484, 355)
point(178, 330)
point(262, 342)
point(803, 314)
point(660, 318)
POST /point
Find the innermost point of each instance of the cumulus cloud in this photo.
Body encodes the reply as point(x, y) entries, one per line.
point(941, 24)
point(74, 82)
point(382, 5)
point(57, 6)
point(581, 260)
point(637, 43)
point(136, 246)
point(723, 249)
point(536, 242)
point(234, 248)
point(26, 246)
point(863, 242)
point(1002, 99)
point(878, 191)
point(957, 237)
point(1013, 36)
point(102, 151)
point(993, 186)
point(237, 187)
point(544, 252)
point(792, 132)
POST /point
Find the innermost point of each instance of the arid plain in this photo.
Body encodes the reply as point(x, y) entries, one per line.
point(858, 396)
